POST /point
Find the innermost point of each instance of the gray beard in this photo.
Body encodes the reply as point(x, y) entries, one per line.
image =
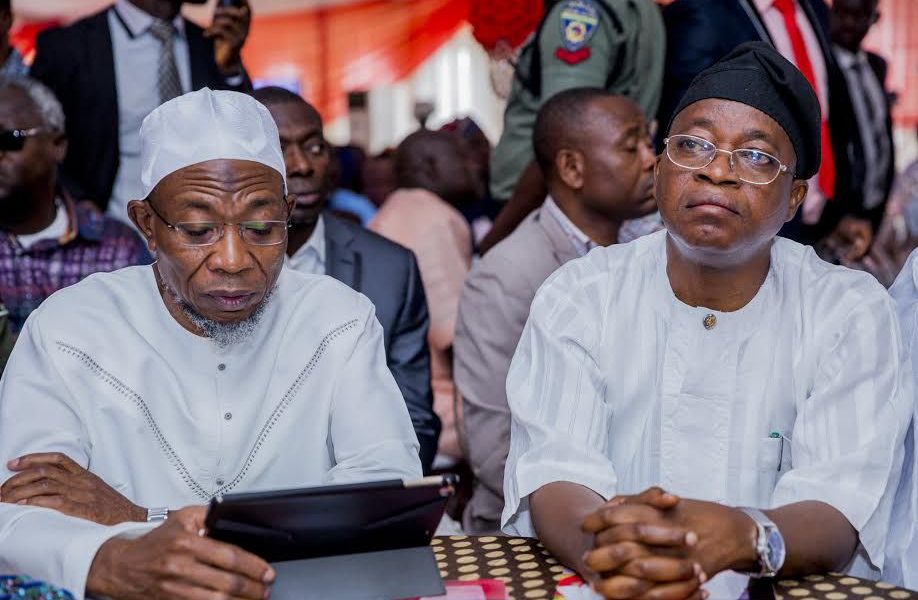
point(223, 335)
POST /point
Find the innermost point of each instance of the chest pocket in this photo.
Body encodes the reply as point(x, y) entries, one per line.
point(770, 453)
point(773, 455)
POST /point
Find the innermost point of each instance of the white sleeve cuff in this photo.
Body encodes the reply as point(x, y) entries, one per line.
point(54, 548)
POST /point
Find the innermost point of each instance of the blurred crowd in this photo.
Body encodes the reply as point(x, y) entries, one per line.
point(449, 238)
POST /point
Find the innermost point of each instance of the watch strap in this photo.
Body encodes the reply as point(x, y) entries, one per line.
point(157, 515)
point(763, 527)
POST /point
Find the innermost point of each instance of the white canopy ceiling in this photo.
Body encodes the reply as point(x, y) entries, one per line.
point(72, 9)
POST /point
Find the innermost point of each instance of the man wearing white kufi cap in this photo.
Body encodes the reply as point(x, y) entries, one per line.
point(215, 370)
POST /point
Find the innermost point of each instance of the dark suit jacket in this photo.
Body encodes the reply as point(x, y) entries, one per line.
point(701, 32)
point(388, 275)
point(881, 68)
point(856, 151)
point(77, 62)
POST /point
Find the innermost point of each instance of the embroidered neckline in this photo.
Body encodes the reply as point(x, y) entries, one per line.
point(171, 455)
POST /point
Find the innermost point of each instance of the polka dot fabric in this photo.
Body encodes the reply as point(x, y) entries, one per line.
point(529, 571)
point(835, 586)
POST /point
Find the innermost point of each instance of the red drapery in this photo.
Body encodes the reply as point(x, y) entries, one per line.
point(331, 51)
point(894, 38)
point(327, 52)
point(23, 37)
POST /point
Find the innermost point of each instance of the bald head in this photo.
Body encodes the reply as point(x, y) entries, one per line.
point(594, 149)
point(422, 146)
point(273, 96)
point(575, 118)
point(439, 162)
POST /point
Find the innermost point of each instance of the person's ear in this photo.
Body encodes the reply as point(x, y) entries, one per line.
point(798, 195)
point(290, 202)
point(142, 216)
point(59, 146)
point(570, 167)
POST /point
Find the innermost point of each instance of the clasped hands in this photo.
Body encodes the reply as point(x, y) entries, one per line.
point(172, 561)
point(657, 546)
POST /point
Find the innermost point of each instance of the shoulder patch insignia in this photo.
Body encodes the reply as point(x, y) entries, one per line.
point(579, 19)
point(572, 58)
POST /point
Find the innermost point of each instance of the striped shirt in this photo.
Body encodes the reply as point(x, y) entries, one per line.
point(804, 393)
point(902, 567)
point(29, 273)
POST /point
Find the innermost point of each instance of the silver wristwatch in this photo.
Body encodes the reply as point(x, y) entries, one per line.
point(769, 544)
point(157, 515)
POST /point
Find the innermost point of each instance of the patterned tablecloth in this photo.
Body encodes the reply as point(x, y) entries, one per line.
point(529, 571)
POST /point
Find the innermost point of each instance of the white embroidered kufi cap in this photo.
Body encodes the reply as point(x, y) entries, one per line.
point(207, 125)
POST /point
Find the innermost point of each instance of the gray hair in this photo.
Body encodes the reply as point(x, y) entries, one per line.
point(45, 101)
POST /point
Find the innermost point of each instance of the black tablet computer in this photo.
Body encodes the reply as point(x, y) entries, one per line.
point(331, 520)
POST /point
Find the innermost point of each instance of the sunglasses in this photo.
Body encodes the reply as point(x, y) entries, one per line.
point(13, 140)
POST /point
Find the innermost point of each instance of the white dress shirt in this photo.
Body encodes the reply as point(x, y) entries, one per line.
point(804, 393)
point(774, 23)
point(580, 241)
point(310, 257)
point(103, 373)
point(137, 53)
point(903, 544)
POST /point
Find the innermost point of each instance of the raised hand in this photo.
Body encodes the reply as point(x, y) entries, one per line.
point(229, 30)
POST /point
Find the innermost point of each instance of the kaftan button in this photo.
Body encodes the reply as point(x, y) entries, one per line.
point(710, 321)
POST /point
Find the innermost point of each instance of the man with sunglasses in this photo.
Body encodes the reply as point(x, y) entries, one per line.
point(765, 392)
point(216, 370)
point(47, 240)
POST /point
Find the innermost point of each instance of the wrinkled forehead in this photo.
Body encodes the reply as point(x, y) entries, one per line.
point(221, 181)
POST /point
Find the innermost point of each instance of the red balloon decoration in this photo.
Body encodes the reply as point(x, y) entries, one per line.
point(509, 20)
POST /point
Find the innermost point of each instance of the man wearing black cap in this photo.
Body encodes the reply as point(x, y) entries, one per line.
point(834, 216)
point(727, 366)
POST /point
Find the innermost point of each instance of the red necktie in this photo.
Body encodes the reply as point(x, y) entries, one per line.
point(787, 9)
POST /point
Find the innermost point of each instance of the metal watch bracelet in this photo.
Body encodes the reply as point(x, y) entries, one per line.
point(157, 515)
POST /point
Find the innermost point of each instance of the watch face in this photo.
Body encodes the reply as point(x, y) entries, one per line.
point(776, 551)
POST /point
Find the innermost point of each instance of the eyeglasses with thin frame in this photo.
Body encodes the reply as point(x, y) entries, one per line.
point(207, 233)
point(750, 165)
point(13, 140)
